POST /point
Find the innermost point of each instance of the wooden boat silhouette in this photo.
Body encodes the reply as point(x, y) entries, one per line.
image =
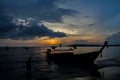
point(68, 57)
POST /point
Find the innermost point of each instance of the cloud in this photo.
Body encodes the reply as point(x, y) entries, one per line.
point(35, 31)
point(39, 10)
point(114, 39)
point(92, 24)
point(6, 27)
point(42, 10)
point(80, 42)
point(23, 32)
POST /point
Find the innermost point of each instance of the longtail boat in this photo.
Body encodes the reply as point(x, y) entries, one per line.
point(66, 56)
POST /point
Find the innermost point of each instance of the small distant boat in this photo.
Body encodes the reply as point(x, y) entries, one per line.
point(7, 48)
point(66, 56)
point(25, 48)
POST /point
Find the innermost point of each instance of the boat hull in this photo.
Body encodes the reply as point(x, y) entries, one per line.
point(80, 59)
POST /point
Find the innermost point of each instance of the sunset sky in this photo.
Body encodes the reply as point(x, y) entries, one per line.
point(46, 22)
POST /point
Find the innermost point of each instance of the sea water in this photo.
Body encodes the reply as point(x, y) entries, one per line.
point(12, 65)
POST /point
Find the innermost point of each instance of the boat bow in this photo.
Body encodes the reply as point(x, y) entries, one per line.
point(105, 44)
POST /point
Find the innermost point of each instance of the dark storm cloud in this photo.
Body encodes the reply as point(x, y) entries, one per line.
point(35, 31)
point(6, 27)
point(13, 31)
point(24, 33)
point(42, 10)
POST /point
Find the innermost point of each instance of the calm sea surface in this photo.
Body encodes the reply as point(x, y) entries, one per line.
point(12, 65)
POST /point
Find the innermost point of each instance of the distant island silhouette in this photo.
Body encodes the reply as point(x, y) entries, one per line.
point(93, 45)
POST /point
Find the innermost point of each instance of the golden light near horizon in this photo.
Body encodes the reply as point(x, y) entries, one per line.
point(47, 40)
point(69, 39)
point(51, 41)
